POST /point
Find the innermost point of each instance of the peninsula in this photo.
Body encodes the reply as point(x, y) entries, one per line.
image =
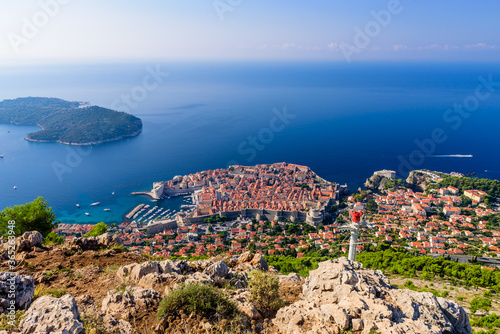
point(275, 191)
point(71, 123)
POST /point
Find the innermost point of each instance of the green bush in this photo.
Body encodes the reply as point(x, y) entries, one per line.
point(435, 293)
point(291, 264)
point(480, 303)
point(119, 248)
point(40, 290)
point(489, 331)
point(97, 230)
point(53, 238)
point(489, 321)
point(94, 324)
point(264, 292)
point(409, 284)
point(460, 298)
point(445, 294)
point(32, 216)
point(487, 294)
point(6, 322)
point(204, 300)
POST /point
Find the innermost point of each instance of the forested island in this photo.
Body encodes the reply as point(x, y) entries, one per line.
point(71, 123)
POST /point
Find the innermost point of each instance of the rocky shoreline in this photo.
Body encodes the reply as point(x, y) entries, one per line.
point(135, 134)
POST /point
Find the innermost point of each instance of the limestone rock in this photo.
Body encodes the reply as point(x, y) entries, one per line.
point(132, 302)
point(340, 294)
point(154, 280)
point(246, 308)
point(123, 273)
point(118, 326)
point(185, 268)
point(52, 315)
point(200, 265)
point(28, 241)
point(259, 262)
point(84, 244)
point(87, 307)
point(100, 242)
point(168, 267)
point(218, 270)
point(22, 286)
point(199, 278)
point(244, 267)
point(419, 180)
point(291, 277)
point(244, 258)
point(248, 261)
point(142, 269)
point(108, 240)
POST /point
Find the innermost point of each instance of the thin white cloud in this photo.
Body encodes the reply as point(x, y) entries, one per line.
point(482, 46)
point(399, 47)
point(333, 46)
point(445, 47)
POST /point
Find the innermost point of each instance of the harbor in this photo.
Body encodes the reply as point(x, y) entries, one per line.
point(120, 208)
point(145, 214)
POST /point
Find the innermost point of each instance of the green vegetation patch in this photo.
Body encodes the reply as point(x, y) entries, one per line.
point(402, 263)
point(63, 121)
point(33, 216)
point(289, 264)
point(204, 300)
point(489, 321)
point(97, 230)
point(53, 238)
point(491, 187)
point(265, 292)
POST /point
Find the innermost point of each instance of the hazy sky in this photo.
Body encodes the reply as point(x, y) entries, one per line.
point(124, 30)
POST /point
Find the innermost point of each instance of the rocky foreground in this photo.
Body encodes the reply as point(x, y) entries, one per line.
point(338, 297)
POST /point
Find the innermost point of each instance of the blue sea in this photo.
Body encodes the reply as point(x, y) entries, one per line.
point(343, 120)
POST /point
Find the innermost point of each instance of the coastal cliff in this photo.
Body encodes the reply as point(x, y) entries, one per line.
point(419, 180)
